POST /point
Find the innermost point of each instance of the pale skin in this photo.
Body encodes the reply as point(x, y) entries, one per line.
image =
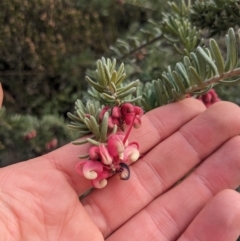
point(182, 188)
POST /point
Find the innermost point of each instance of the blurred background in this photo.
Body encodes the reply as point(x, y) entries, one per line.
point(47, 47)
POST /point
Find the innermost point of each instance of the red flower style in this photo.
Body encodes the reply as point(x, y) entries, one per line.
point(108, 159)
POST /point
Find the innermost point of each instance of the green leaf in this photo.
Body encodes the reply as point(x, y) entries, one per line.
point(73, 117)
point(95, 85)
point(79, 142)
point(126, 93)
point(95, 127)
point(208, 60)
point(179, 82)
point(217, 56)
point(120, 79)
point(230, 82)
point(95, 143)
point(84, 156)
point(232, 55)
point(107, 97)
point(128, 86)
point(104, 127)
point(196, 76)
point(107, 74)
point(100, 69)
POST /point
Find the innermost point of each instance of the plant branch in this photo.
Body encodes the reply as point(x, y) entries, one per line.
point(139, 48)
point(214, 79)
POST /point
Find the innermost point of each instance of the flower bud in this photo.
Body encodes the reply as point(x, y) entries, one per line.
point(127, 108)
point(112, 121)
point(128, 118)
point(138, 111)
point(116, 112)
point(91, 169)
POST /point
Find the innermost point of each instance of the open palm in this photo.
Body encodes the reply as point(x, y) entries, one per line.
point(179, 190)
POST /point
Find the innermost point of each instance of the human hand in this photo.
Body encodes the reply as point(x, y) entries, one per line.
point(39, 198)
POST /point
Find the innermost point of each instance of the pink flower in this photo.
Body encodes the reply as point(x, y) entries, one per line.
point(94, 153)
point(116, 145)
point(112, 121)
point(209, 98)
point(89, 169)
point(127, 108)
point(138, 111)
point(132, 114)
point(131, 153)
point(116, 112)
point(100, 181)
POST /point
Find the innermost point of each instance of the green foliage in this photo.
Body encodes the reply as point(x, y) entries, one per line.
point(108, 89)
point(46, 47)
point(195, 75)
point(16, 143)
point(216, 15)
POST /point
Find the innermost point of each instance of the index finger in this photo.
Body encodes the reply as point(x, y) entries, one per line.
point(156, 126)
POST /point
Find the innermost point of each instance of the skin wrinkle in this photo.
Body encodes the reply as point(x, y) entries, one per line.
point(14, 215)
point(15, 224)
point(205, 182)
point(167, 214)
point(228, 213)
point(145, 182)
point(94, 210)
point(186, 138)
point(153, 221)
point(22, 221)
point(4, 178)
point(57, 165)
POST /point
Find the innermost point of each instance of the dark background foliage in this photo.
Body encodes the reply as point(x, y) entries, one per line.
point(46, 47)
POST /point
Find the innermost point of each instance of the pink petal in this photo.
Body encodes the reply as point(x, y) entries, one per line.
point(134, 143)
point(105, 156)
point(112, 121)
point(116, 112)
point(128, 118)
point(131, 153)
point(91, 169)
point(103, 111)
point(138, 111)
point(127, 108)
point(115, 144)
point(94, 153)
point(100, 181)
point(137, 122)
point(79, 167)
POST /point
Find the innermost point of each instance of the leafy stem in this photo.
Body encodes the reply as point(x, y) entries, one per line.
point(215, 79)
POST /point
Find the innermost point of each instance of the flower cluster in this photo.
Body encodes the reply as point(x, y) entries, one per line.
point(209, 98)
point(123, 114)
point(109, 158)
point(105, 118)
